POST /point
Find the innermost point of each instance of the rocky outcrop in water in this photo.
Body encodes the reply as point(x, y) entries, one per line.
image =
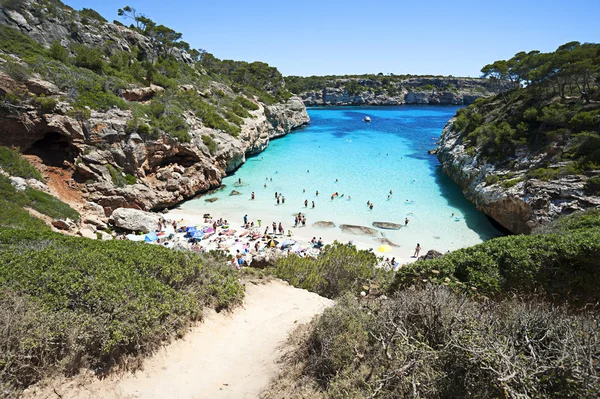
point(431, 90)
point(505, 193)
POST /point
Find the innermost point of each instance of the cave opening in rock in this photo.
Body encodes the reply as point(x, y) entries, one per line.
point(53, 150)
point(184, 159)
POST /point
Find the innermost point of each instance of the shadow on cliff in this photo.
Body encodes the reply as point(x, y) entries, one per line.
point(476, 220)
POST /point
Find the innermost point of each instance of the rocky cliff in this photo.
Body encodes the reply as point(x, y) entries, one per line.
point(87, 111)
point(166, 170)
point(505, 191)
point(431, 90)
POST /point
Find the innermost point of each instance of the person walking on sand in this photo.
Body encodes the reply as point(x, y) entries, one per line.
point(245, 220)
point(281, 230)
point(406, 222)
point(274, 228)
point(306, 203)
point(417, 250)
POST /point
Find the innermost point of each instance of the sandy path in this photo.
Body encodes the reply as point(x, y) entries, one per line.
point(227, 356)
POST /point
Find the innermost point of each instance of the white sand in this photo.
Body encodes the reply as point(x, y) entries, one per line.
point(226, 356)
point(305, 234)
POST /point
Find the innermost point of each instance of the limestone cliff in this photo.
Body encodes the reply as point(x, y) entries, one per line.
point(167, 171)
point(505, 192)
point(125, 119)
point(422, 90)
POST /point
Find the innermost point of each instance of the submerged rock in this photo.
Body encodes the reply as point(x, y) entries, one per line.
point(322, 224)
point(213, 199)
point(358, 230)
point(387, 242)
point(387, 225)
point(234, 192)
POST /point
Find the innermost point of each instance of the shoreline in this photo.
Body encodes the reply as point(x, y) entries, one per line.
point(301, 234)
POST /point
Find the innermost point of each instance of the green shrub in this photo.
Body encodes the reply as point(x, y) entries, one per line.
point(491, 179)
point(247, 104)
point(58, 52)
point(543, 174)
point(14, 42)
point(49, 205)
point(91, 14)
point(433, 343)
point(15, 165)
point(89, 58)
point(210, 143)
point(561, 266)
point(92, 95)
point(592, 186)
point(46, 103)
point(338, 269)
point(73, 302)
point(38, 200)
point(119, 178)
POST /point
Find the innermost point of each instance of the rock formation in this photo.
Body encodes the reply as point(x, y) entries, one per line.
point(423, 90)
point(516, 202)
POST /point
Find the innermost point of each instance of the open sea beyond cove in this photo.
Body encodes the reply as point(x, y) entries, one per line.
point(361, 161)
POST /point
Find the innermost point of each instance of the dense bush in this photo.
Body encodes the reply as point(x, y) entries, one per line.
point(38, 200)
point(72, 302)
point(119, 178)
point(58, 52)
point(338, 269)
point(210, 143)
point(561, 266)
point(15, 165)
point(433, 343)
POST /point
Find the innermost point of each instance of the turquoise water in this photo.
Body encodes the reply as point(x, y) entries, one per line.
point(367, 160)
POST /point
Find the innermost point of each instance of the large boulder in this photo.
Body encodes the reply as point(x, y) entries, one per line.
point(134, 219)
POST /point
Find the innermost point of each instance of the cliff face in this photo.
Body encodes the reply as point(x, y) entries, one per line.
point(122, 155)
point(506, 194)
point(167, 171)
point(445, 91)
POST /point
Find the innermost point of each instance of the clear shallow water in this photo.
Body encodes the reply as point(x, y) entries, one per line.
point(368, 160)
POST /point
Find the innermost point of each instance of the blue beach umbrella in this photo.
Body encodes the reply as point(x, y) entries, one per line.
point(151, 237)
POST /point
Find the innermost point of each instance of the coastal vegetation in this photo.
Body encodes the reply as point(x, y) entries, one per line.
point(508, 317)
point(555, 113)
point(389, 84)
point(69, 302)
point(96, 76)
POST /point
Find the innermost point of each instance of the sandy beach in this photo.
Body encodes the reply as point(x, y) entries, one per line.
point(402, 255)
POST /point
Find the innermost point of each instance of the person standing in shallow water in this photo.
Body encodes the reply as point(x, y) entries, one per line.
point(417, 250)
point(252, 194)
point(406, 222)
point(306, 203)
point(313, 204)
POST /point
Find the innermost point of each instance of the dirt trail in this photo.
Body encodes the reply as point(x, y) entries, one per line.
point(227, 356)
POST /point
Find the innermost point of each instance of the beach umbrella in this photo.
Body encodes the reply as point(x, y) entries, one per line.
point(198, 234)
point(272, 243)
point(151, 237)
point(384, 248)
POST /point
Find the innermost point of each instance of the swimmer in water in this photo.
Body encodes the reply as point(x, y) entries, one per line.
point(390, 192)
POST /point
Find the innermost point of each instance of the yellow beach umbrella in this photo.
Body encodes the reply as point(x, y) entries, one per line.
point(384, 248)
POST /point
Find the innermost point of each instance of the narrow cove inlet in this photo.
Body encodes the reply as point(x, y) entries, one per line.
point(384, 163)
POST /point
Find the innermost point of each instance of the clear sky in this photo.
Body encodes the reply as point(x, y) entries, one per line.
point(332, 37)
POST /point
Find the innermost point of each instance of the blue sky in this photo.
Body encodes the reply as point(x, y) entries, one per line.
point(451, 37)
